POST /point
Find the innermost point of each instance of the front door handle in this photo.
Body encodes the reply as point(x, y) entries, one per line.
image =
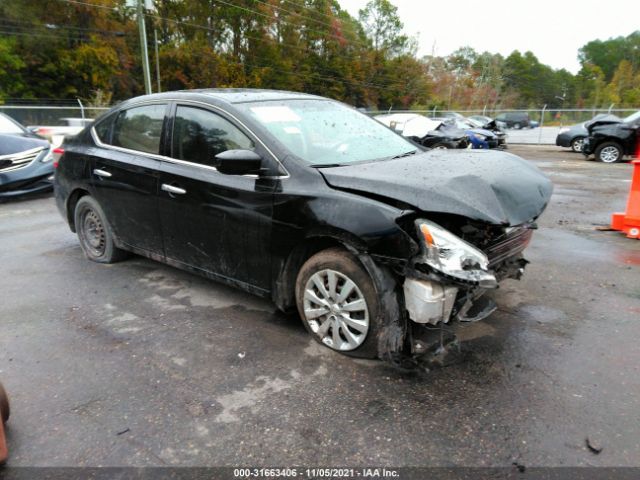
point(101, 173)
point(172, 189)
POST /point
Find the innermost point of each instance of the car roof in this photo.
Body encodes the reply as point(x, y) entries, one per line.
point(231, 95)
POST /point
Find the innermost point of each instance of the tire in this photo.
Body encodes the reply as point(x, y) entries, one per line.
point(356, 337)
point(440, 146)
point(94, 233)
point(576, 144)
point(609, 152)
point(5, 411)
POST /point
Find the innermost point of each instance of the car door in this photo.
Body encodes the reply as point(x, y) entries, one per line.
point(211, 221)
point(125, 172)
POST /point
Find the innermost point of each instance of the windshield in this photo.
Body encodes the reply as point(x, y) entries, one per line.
point(632, 118)
point(324, 132)
point(8, 126)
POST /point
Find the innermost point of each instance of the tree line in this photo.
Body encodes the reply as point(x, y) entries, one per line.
point(89, 49)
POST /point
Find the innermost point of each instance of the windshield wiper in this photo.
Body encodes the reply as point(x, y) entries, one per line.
point(326, 165)
point(405, 154)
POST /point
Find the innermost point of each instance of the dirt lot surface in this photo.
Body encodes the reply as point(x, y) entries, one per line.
point(139, 364)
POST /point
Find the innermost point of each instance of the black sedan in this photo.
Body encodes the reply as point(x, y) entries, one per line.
point(308, 202)
point(26, 160)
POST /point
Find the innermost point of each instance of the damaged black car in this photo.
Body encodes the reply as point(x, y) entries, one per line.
point(430, 133)
point(26, 160)
point(610, 141)
point(308, 202)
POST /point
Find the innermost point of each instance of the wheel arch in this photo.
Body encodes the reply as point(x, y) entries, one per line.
point(314, 242)
point(72, 201)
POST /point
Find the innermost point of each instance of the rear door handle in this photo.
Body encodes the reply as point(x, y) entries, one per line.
point(101, 173)
point(172, 189)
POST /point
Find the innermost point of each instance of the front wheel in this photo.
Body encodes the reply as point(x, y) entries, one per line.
point(609, 152)
point(94, 233)
point(338, 303)
point(577, 144)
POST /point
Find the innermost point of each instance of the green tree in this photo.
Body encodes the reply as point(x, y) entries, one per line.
point(11, 66)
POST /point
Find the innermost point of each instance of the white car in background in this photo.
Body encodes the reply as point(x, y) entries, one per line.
point(56, 134)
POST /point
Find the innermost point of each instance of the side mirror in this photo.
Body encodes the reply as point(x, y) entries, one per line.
point(238, 162)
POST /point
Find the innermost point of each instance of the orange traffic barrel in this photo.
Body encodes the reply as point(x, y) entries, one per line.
point(629, 221)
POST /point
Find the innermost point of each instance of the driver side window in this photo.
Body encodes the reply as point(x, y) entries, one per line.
point(199, 135)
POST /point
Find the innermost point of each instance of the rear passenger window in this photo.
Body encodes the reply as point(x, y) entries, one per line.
point(199, 135)
point(139, 128)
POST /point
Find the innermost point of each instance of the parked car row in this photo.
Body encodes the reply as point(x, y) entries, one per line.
point(26, 160)
point(56, 134)
point(452, 131)
point(608, 137)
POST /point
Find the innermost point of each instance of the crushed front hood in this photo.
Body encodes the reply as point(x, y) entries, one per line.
point(602, 119)
point(489, 186)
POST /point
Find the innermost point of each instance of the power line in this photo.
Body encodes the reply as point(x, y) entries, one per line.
point(7, 22)
point(321, 77)
point(78, 2)
point(295, 13)
point(31, 34)
point(193, 25)
point(255, 12)
point(354, 42)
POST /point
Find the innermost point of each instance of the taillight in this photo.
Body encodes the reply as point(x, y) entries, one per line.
point(57, 154)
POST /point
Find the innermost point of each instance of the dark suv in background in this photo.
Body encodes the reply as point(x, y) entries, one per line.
point(610, 142)
point(516, 120)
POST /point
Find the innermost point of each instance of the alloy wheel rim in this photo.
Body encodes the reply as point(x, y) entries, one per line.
point(609, 154)
point(93, 233)
point(577, 144)
point(336, 311)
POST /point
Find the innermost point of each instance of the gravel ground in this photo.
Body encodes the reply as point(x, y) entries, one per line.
point(138, 364)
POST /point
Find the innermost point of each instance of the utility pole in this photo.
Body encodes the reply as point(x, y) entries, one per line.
point(143, 48)
point(155, 38)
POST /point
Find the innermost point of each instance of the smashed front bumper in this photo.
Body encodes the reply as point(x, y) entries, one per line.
point(432, 298)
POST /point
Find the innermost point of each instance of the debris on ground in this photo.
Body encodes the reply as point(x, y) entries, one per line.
point(592, 448)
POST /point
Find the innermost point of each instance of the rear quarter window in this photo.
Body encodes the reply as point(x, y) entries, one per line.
point(103, 129)
point(139, 128)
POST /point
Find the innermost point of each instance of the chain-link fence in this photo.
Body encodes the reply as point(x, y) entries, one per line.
point(32, 115)
point(547, 121)
point(543, 116)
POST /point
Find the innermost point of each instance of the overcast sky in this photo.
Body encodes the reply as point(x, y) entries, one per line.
point(552, 30)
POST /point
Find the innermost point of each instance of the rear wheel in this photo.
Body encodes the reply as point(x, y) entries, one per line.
point(94, 233)
point(338, 303)
point(609, 152)
point(577, 144)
